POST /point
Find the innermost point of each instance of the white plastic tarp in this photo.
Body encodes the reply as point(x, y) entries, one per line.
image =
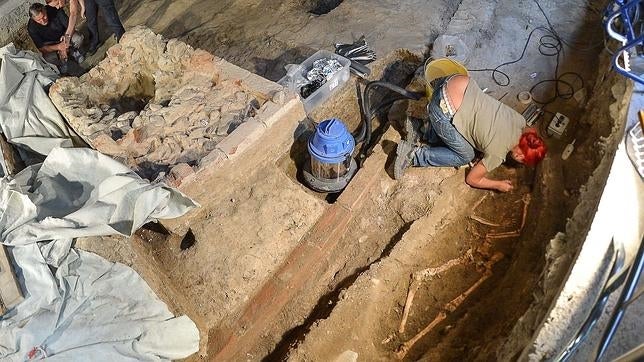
point(27, 115)
point(90, 309)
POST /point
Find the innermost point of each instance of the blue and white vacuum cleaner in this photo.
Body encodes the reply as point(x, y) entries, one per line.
point(331, 162)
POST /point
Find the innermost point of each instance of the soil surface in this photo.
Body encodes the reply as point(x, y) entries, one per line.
point(425, 220)
point(264, 36)
point(367, 317)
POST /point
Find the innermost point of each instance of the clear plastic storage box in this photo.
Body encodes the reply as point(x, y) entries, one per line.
point(296, 77)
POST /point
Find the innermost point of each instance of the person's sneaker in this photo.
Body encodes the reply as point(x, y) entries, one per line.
point(78, 57)
point(412, 129)
point(404, 157)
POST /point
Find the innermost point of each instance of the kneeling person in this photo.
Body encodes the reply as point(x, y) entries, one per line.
point(47, 28)
point(463, 119)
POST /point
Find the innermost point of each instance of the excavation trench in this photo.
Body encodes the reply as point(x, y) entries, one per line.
point(352, 294)
point(325, 305)
point(269, 269)
point(492, 250)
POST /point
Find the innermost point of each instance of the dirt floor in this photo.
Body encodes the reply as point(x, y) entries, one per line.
point(428, 219)
point(263, 36)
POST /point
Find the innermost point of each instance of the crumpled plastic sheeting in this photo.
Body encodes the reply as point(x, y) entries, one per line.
point(90, 309)
point(27, 115)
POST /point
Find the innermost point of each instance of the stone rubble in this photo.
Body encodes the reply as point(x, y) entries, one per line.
point(157, 105)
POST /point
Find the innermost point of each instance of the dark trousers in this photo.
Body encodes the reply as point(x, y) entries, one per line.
point(108, 9)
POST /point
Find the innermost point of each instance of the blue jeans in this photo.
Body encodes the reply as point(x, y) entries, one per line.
point(447, 147)
point(111, 18)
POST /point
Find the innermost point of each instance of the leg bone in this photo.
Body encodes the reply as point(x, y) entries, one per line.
point(449, 307)
point(425, 274)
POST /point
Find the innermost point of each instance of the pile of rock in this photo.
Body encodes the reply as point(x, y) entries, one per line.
point(155, 104)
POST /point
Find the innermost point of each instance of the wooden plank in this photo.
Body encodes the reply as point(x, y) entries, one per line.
point(11, 162)
point(10, 293)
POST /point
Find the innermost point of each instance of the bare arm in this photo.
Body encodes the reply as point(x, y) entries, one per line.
point(477, 178)
point(53, 48)
point(81, 6)
point(74, 9)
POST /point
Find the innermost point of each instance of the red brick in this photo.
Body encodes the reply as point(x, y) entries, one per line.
point(242, 138)
point(364, 181)
point(232, 72)
point(272, 113)
point(304, 263)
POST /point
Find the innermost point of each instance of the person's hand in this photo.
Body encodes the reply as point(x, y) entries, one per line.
point(82, 11)
point(504, 186)
point(62, 51)
point(63, 43)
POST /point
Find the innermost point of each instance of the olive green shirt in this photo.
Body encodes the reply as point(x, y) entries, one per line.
point(488, 125)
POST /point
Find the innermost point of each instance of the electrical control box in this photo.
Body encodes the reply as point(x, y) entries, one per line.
point(558, 125)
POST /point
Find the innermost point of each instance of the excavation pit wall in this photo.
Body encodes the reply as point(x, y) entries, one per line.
point(302, 268)
point(209, 263)
point(497, 320)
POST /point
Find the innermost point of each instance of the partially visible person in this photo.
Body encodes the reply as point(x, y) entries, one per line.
point(47, 26)
point(111, 17)
point(463, 119)
point(76, 8)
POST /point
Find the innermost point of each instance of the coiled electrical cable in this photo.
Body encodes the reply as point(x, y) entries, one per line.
point(551, 44)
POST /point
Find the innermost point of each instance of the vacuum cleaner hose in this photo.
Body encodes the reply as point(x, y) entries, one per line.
point(364, 135)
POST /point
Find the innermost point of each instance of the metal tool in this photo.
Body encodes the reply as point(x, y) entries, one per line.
point(630, 286)
point(531, 114)
point(360, 70)
point(357, 51)
point(611, 281)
